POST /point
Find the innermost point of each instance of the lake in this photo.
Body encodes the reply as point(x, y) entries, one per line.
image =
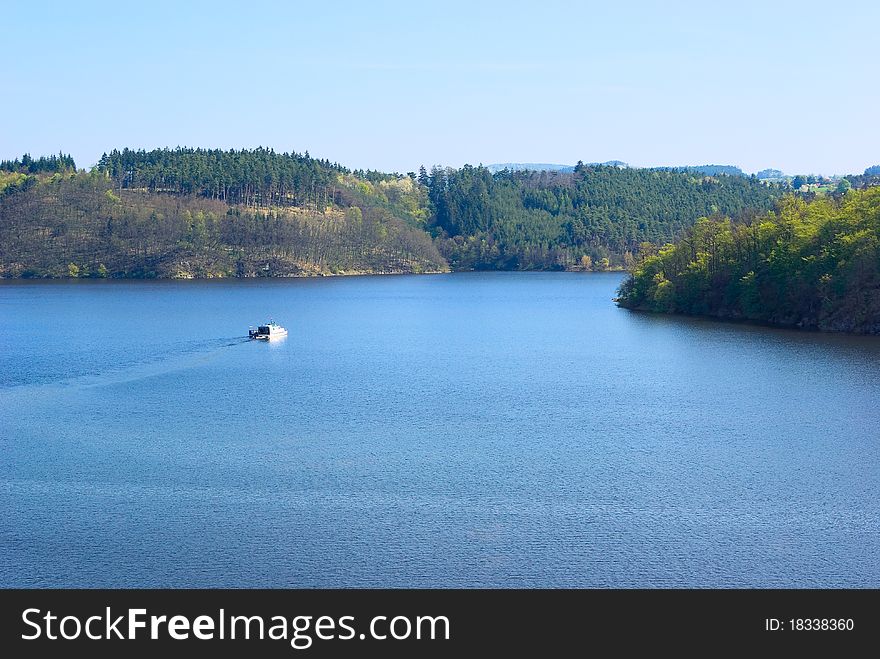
point(472, 429)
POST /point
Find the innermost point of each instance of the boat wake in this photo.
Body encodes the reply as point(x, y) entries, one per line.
point(191, 356)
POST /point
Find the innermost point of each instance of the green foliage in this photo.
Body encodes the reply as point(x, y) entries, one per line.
point(548, 219)
point(811, 264)
point(254, 178)
point(10, 182)
point(396, 195)
point(181, 212)
point(709, 170)
point(77, 226)
point(262, 179)
point(59, 164)
point(870, 178)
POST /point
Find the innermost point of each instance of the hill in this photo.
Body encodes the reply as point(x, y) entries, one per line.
point(708, 170)
point(548, 167)
point(770, 174)
point(195, 213)
point(595, 217)
point(206, 213)
point(529, 166)
point(812, 264)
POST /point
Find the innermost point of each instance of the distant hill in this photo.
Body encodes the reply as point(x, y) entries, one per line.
point(547, 167)
point(770, 173)
point(706, 170)
point(529, 167)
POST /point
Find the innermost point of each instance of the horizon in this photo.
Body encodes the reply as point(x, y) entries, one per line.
point(392, 87)
point(523, 165)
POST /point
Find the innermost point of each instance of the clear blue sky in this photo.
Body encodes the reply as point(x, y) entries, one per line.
point(392, 85)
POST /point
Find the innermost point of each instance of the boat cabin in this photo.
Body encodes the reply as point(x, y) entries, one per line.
point(268, 331)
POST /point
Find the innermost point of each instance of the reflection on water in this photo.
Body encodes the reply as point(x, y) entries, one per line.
point(860, 353)
point(481, 429)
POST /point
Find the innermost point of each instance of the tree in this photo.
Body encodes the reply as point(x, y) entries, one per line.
point(75, 226)
point(843, 187)
point(547, 220)
point(809, 264)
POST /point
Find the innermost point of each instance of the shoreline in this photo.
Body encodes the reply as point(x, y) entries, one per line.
point(732, 320)
point(311, 275)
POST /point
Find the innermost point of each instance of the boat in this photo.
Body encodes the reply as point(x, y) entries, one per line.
point(270, 330)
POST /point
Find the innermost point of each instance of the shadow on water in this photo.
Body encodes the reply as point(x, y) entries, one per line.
point(847, 346)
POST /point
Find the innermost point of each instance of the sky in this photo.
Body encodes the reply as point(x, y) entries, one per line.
point(394, 85)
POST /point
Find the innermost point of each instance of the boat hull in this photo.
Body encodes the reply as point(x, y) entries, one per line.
point(268, 337)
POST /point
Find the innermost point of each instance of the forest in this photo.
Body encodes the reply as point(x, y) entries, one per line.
point(808, 263)
point(253, 178)
point(594, 218)
point(85, 225)
point(44, 164)
point(188, 212)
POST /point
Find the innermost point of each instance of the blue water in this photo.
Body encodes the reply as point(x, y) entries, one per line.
point(498, 429)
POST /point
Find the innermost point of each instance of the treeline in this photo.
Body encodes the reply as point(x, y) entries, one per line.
point(870, 178)
point(42, 165)
point(255, 178)
point(596, 217)
point(708, 170)
point(593, 218)
point(813, 264)
point(82, 225)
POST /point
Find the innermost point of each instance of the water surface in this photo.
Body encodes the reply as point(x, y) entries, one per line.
point(498, 429)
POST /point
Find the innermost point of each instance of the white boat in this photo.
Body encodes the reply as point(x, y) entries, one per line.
point(268, 331)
